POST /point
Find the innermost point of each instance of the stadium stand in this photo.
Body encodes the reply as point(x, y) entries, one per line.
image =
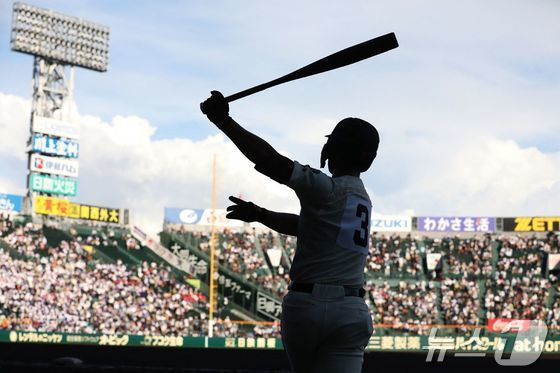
point(101, 279)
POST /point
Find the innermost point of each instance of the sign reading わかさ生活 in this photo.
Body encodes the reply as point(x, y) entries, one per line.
point(456, 224)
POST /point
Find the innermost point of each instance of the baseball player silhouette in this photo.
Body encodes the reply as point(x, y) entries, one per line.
point(325, 322)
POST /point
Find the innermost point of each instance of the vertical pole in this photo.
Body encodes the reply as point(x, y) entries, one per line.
point(212, 279)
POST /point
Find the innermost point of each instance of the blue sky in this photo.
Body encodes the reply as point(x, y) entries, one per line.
point(469, 79)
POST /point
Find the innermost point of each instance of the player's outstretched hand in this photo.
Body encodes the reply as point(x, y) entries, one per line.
point(216, 108)
point(243, 210)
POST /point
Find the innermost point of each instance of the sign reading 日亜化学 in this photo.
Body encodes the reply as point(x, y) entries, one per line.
point(61, 207)
point(51, 146)
point(532, 224)
point(456, 224)
point(53, 165)
point(53, 185)
point(10, 203)
point(55, 127)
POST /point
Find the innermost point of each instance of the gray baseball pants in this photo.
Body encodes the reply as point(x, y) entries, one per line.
point(325, 331)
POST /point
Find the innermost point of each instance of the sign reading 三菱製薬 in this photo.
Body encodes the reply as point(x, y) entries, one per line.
point(456, 224)
point(52, 146)
point(532, 224)
point(60, 207)
point(53, 185)
point(10, 202)
point(55, 127)
point(54, 165)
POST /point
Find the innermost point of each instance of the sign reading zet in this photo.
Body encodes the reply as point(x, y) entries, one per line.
point(55, 127)
point(532, 224)
point(53, 185)
point(456, 224)
point(52, 165)
point(52, 146)
point(61, 207)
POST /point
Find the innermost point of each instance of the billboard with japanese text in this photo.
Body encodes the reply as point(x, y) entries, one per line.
point(61, 207)
point(11, 203)
point(456, 224)
point(54, 165)
point(52, 146)
point(55, 127)
point(53, 185)
point(268, 306)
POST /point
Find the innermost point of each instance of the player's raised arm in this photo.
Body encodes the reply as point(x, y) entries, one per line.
point(266, 159)
point(281, 222)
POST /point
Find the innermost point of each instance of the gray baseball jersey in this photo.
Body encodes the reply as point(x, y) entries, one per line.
point(333, 228)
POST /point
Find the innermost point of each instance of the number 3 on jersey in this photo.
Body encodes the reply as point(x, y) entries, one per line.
point(354, 227)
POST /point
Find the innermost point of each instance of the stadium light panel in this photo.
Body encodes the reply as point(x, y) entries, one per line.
point(68, 40)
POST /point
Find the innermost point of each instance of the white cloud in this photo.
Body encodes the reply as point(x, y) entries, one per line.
point(122, 165)
point(14, 125)
point(484, 177)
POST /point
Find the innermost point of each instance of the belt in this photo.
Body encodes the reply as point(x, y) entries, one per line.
point(308, 288)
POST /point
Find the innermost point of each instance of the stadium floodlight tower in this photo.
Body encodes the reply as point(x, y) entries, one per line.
point(58, 43)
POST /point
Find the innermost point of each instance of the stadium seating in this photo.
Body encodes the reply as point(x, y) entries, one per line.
point(101, 279)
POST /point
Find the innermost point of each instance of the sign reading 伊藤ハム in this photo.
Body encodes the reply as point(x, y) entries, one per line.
point(51, 146)
point(53, 165)
point(456, 224)
point(52, 184)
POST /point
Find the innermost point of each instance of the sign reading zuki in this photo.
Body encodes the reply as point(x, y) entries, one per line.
point(391, 223)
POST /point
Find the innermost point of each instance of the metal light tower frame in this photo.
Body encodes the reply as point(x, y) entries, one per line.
point(58, 43)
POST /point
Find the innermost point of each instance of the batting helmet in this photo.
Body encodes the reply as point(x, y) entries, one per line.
point(355, 141)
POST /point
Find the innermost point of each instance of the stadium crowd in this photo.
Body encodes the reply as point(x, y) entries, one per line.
point(405, 307)
point(238, 252)
point(394, 256)
point(64, 289)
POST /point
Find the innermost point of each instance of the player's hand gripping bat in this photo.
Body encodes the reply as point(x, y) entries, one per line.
point(342, 58)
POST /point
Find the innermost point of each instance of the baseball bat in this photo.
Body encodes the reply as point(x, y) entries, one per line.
point(341, 58)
